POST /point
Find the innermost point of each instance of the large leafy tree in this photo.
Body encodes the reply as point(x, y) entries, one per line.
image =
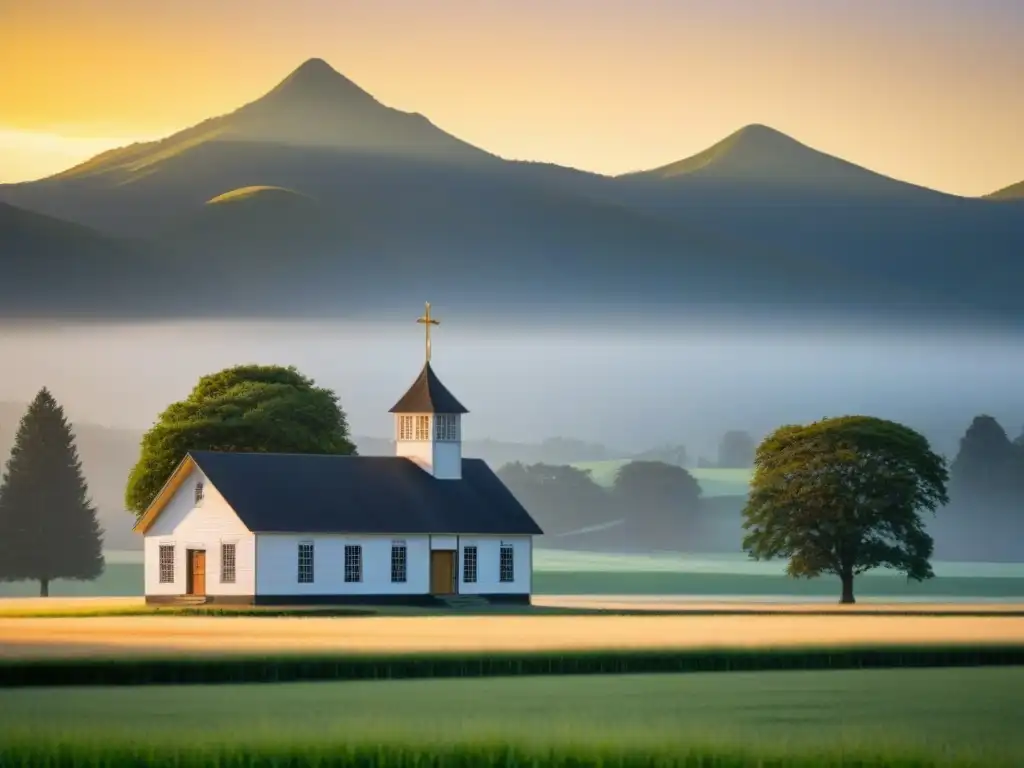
point(663, 499)
point(843, 496)
point(253, 408)
point(48, 526)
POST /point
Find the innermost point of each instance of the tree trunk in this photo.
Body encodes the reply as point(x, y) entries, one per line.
point(44, 587)
point(847, 596)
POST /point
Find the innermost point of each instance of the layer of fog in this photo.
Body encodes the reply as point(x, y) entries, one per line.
point(629, 390)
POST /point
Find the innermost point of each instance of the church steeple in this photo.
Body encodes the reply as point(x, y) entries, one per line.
point(428, 395)
point(428, 428)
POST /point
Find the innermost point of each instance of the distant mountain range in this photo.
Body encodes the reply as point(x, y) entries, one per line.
point(317, 200)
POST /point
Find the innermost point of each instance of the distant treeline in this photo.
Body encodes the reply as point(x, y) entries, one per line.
point(735, 451)
point(651, 505)
point(657, 505)
point(985, 517)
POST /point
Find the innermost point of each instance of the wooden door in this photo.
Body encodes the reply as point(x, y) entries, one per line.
point(197, 572)
point(442, 572)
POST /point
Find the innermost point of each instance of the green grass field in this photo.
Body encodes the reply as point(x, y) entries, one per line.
point(713, 482)
point(558, 572)
point(970, 713)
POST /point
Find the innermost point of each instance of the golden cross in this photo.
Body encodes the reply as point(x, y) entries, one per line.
point(428, 321)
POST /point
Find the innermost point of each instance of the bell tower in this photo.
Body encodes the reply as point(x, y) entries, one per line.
point(428, 420)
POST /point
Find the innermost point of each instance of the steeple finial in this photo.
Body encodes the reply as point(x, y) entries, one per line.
point(428, 321)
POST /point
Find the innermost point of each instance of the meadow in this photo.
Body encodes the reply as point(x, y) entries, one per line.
point(864, 717)
point(733, 576)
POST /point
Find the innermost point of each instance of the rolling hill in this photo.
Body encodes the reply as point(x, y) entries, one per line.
point(344, 194)
point(53, 268)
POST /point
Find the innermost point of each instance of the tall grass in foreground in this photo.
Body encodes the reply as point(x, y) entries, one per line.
point(209, 670)
point(29, 753)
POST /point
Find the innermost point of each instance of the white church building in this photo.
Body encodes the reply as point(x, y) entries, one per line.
point(423, 526)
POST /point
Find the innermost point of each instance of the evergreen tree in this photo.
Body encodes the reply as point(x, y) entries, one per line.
point(988, 465)
point(48, 526)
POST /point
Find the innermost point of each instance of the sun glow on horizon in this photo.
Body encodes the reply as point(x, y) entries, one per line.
point(31, 155)
point(925, 91)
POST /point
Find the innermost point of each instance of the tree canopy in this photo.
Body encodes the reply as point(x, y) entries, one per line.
point(254, 408)
point(736, 450)
point(843, 496)
point(662, 498)
point(650, 503)
point(561, 498)
point(48, 526)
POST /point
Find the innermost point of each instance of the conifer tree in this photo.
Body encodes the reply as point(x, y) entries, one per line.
point(48, 526)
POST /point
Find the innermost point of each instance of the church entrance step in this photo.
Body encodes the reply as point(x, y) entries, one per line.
point(465, 601)
point(190, 600)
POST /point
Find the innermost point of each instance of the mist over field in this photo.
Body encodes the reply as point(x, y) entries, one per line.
point(629, 389)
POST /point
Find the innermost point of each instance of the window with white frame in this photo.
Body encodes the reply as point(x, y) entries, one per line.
point(166, 563)
point(405, 427)
point(353, 562)
point(399, 562)
point(198, 494)
point(469, 565)
point(506, 564)
point(227, 563)
point(423, 427)
point(306, 562)
point(446, 426)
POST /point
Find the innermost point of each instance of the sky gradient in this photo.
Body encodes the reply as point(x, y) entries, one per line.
point(927, 91)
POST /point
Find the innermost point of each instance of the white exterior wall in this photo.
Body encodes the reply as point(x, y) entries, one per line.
point(442, 458)
point(487, 561)
point(205, 527)
point(278, 558)
point(447, 459)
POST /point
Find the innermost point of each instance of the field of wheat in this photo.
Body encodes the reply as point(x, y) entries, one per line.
point(114, 635)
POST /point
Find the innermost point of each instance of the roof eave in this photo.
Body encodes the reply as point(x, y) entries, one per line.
point(164, 495)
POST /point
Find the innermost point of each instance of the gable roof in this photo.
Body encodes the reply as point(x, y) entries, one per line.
point(306, 493)
point(428, 395)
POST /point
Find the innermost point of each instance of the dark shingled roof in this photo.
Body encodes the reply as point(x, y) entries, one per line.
point(428, 395)
point(306, 493)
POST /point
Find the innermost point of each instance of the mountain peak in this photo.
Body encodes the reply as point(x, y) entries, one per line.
point(1012, 192)
point(314, 71)
point(753, 148)
point(760, 154)
point(760, 132)
point(314, 65)
point(316, 81)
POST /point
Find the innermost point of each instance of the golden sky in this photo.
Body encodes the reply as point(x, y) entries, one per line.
point(929, 91)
